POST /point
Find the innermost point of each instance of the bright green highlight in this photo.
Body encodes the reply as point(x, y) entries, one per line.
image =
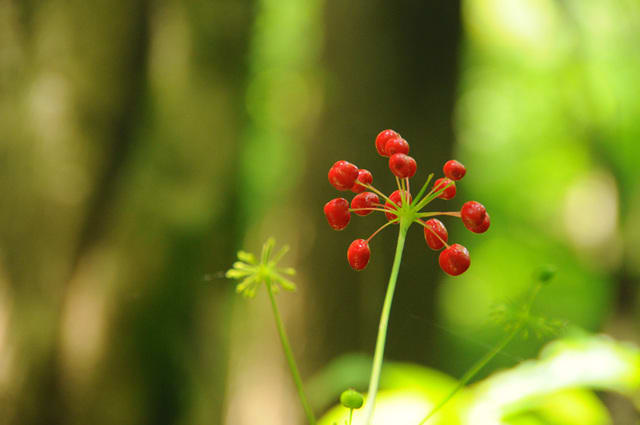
point(554, 388)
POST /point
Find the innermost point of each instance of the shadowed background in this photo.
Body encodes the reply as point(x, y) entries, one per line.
point(142, 143)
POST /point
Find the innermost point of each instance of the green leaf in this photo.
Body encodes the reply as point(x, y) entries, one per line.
point(596, 362)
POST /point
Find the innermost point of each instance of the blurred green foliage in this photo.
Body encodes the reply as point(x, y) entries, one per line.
point(546, 391)
point(142, 143)
point(542, 100)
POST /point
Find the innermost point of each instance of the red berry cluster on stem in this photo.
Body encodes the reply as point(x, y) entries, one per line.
point(400, 204)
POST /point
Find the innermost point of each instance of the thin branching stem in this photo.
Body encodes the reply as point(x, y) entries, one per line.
point(368, 186)
point(432, 231)
point(382, 227)
point(400, 188)
point(436, 213)
point(487, 357)
point(432, 195)
point(423, 189)
point(385, 210)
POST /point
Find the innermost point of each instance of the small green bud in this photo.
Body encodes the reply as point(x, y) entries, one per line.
point(545, 273)
point(236, 274)
point(246, 257)
point(241, 266)
point(290, 271)
point(287, 284)
point(351, 399)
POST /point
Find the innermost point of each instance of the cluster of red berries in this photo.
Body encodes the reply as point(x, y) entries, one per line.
point(345, 176)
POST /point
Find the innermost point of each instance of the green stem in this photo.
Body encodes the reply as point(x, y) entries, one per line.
point(432, 195)
point(368, 186)
point(289, 355)
point(487, 357)
point(474, 369)
point(437, 213)
point(384, 322)
point(418, 197)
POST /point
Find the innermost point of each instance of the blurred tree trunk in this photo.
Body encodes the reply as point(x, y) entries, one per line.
point(392, 65)
point(114, 119)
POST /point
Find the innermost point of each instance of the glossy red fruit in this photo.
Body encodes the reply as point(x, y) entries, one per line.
point(381, 140)
point(454, 170)
point(364, 176)
point(364, 200)
point(449, 192)
point(402, 165)
point(435, 234)
point(343, 175)
point(475, 217)
point(454, 260)
point(337, 213)
point(358, 254)
point(484, 226)
point(397, 145)
point(395, 197)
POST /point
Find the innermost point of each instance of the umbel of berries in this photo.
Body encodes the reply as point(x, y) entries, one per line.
point(400, 207)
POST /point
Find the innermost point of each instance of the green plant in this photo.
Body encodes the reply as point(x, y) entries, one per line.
point(253, 273)
point(402, 209)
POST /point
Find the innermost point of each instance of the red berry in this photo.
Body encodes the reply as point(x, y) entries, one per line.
point(475, 217)
point(337, 213)
point(402, 165)
point(395, 197)
point(454, 260)
point(449, 192)
point(397, 145)
point(432, 228)
point(364, 176)
point(454, 170)
point(343, 175)
point(381, 140)
point(358, 254)
point(364, 200)
point(484, 226)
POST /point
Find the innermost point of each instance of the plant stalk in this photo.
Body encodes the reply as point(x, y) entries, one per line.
point(290, 360)
point(474, 370)
point(487, 357)
point(384, 322)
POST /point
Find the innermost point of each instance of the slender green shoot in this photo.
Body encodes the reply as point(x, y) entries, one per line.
point(384, 322)
point(373, 189)
point(487, 357)
point(423, 190)
point(251, 274)
point(289, 355)
point(432, 195)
